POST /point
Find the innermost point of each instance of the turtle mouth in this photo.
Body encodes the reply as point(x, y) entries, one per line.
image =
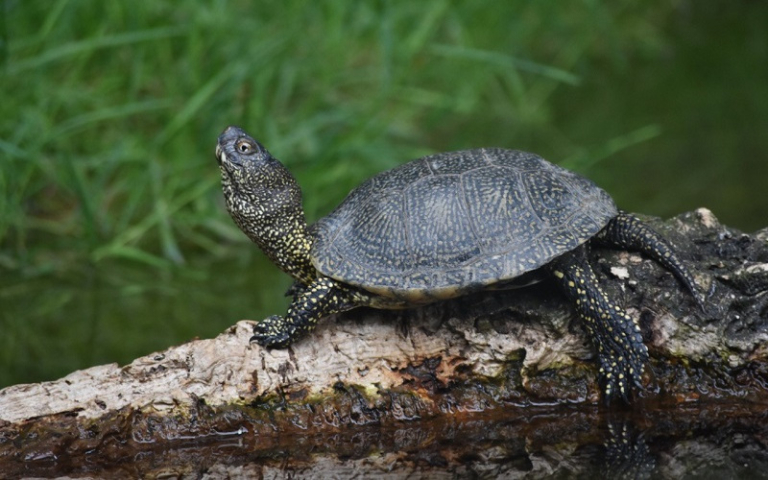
point(225, 165)
point(220, 155)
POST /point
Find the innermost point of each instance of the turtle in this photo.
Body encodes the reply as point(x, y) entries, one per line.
point(439, 227)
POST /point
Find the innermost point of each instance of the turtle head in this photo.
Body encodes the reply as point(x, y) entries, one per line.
point(247, 165)
point(265, 201)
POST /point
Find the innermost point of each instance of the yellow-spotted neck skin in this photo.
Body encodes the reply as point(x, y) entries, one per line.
point(265, 202)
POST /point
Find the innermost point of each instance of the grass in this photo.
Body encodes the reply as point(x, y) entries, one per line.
point(116, 108)
point(111, 110)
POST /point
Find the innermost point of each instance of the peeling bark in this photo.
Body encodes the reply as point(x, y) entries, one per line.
point(482, 353)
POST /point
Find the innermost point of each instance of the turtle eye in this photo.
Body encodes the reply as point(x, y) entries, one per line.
point(244, 146)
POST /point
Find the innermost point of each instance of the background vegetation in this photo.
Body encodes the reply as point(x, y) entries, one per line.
point(113, 238)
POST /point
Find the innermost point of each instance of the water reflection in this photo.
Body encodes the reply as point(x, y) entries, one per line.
point(566, 442)
point(626, 452)
point(56, 322)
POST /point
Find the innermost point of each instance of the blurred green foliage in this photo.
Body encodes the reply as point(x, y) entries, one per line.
point(113, 238)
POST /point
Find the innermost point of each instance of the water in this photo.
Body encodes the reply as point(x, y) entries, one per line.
point(56, 322)
point(715, 441)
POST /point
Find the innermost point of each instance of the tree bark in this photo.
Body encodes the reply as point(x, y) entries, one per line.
point(490, 352)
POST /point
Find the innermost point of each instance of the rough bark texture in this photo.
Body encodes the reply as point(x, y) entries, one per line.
point(511, 349)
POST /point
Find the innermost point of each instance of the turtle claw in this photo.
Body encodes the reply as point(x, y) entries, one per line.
point(614, 388)
point(274, 332)
point(621, 377)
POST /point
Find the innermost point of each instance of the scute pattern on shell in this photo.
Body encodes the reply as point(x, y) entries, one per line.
point(451, 222)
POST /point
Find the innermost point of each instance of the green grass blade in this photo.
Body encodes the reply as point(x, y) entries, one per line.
point(585, 160)
point(131, 253)
point(106, 114)
point(83, 46)
point(506, 61)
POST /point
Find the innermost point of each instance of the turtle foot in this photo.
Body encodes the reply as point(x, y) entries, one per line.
point(621, 375)
point(274, 332)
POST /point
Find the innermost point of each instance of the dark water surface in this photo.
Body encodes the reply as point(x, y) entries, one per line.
point(53, 324)
point(715, 441)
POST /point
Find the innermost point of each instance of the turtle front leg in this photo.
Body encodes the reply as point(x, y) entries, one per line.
point(319, 299)
point(621, 351)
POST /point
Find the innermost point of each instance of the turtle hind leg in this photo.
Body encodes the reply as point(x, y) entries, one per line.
point(628, 231)
point(317, 300)
point(621, 351)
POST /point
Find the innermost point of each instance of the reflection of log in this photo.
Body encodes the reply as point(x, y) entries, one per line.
point(376, 368)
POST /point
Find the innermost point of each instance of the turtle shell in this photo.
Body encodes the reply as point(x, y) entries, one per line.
point(454, 222)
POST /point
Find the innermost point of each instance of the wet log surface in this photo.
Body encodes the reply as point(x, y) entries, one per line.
point(500, 382)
